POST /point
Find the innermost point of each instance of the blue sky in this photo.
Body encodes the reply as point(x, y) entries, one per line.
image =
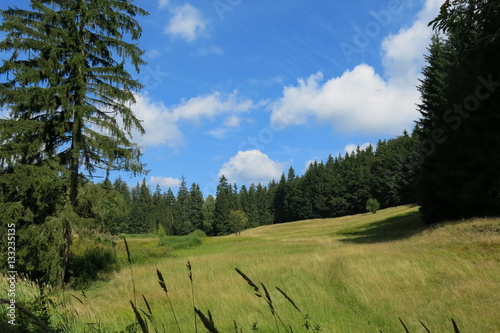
point(249, 88)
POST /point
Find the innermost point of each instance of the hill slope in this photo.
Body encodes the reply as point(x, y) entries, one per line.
point(350, 274)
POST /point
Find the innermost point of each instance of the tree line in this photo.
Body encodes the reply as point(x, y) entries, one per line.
point(340, 186)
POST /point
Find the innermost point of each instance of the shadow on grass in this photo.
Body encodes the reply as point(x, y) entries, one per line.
point(393, 228)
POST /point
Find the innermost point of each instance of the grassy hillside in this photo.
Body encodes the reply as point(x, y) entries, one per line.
point(350, 274)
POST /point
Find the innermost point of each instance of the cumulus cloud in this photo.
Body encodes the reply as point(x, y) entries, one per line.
point(251, 166)
point(187, 23)
point(159, 123)
point(162, 123)
point(164, 181)
point(210, 106)
point(361, 99)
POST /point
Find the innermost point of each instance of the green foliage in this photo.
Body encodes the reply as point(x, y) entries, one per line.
point(31, 199)
point(161, 231)
point(372, 205)
point(208, 212)
point(238, 220)
point(92, 257)
point(103, 208)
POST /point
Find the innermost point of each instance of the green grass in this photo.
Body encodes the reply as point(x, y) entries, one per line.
point(350, 274)
point(143, 250)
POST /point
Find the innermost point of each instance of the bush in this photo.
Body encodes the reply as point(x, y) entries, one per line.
point(182, 242)
point(372, 205)
point(198, 233)
point(90, 265)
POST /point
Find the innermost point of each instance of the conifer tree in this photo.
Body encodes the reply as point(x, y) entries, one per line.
point(170, 214)
point(183, 225)
point(460, 175)
point(69, 93)
point(279, 201)
point(195, 207)
point(141, 215)
point(67, 77)
point(252, 207)
point(223, 205)
point(264, 205)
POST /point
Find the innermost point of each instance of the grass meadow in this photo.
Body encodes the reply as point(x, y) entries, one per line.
point(351, 274)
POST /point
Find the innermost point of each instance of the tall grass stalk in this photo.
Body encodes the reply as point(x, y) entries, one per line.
point(129, 259)
point(163, 285)
point(142, 323)
point(271, 308)
point(149, 314)
point(306, 324)
point(190, 275)
point(208, 322)
point(268, 299)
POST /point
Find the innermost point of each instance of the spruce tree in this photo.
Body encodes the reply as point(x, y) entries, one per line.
point(223, 205)
point(264, 205)
point(68, 86)
point(195, 207)
point(141, 213)
point(253, 207)
point(170, 214)
point(460, 176)
point(69, 94)
point(183, 225)
point(279, 201)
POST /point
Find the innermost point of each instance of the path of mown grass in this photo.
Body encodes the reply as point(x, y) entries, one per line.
point(350, 274)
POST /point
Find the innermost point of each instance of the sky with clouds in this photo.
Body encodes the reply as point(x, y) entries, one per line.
point(247, 89)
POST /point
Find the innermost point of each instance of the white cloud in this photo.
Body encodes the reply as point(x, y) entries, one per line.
point(164, 181)
point(162, 123)
point(163, 3)
point(360, 99)
point(251, 166)
point(232, 121)
point(187, 23)
point(210, 106)
point(352, 147)
point(218, 133)
point(204, 51)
